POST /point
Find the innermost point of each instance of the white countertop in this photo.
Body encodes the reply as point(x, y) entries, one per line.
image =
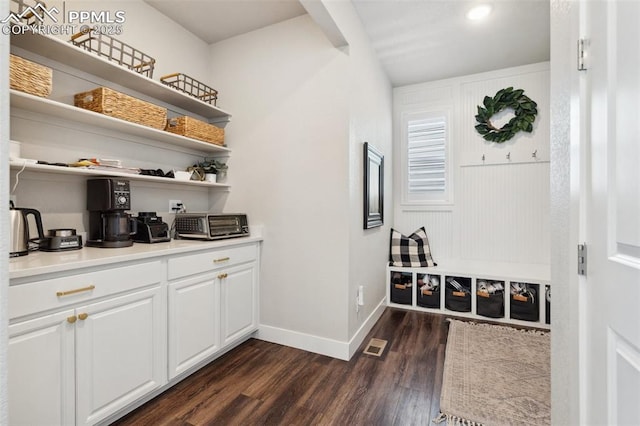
point(37, 263)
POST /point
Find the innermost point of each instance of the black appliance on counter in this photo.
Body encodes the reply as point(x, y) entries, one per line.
point(109, 224)
point(61, 239)
point(151, 229)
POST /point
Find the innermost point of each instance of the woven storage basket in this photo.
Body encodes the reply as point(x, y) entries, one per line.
point(118, 105)
point(29, 77)
point(196, 129)
point(115, 51)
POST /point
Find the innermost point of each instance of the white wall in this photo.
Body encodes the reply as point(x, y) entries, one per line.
point(301, 112)
point(287, 88)
point(370, 99)
point(500, 209)
point(565, 385)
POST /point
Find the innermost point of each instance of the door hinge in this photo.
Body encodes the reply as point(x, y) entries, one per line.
point(582, 43)
point(582, 259)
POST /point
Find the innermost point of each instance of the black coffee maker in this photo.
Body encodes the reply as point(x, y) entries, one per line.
point(109, 223)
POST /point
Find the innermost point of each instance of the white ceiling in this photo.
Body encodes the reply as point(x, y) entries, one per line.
point(216, 20)
point(416, 40)
point(426, 40)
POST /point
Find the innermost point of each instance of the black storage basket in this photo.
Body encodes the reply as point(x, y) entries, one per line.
point(428, 298)
point(401, 288)
point(490, 305)
point(401, 293)
point(526, 310)
point(454, 300)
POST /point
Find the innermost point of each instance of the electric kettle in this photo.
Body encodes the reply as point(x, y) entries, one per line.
point(19, 226)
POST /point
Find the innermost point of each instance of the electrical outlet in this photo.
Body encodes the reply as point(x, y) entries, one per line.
point(175, 205)
point(361, 295)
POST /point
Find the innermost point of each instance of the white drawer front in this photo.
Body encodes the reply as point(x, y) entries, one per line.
point(37, 296)
point(202, 262)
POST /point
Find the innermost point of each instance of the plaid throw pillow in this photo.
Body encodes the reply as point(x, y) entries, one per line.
point(412, 251)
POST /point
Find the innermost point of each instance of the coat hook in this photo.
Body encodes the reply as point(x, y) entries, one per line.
point(535, 154)
point(482, 157)
point(509, 156)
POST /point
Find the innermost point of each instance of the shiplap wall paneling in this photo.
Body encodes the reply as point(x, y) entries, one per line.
point(503, 213)
point(439, 227)
point(500, 209)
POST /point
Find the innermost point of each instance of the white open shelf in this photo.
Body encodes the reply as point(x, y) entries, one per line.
point(81, 171)
point(68, 112)
point(55, 49)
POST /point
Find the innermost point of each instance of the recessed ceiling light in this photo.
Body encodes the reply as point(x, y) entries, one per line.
point(479, 12)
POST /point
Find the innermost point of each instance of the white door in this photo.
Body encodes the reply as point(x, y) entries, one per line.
point(194, 322)
point(238, 293)
point(610, 332)
point(120, 357)
point(42, 382)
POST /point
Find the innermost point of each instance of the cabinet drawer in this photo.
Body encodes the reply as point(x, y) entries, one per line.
point(202, 262)
point(37, 296)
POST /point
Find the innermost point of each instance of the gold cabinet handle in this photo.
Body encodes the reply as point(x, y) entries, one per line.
point(83, 316)
point(221, 276)
point(77, 290)
point(222, 259)
point(71, 319)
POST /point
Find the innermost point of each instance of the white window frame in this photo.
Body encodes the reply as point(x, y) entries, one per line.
point(444, 198)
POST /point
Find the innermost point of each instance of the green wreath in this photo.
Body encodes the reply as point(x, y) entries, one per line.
point(524, 108)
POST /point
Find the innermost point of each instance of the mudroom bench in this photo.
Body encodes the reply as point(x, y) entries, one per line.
point(512, 293)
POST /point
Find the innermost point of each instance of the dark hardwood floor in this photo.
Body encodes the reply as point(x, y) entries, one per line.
point(260, 383)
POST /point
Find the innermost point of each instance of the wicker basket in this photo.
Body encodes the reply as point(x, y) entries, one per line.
point(191, 87)
point(29, 77)
point(118, 105)
point(195, 129)
point(115, 51)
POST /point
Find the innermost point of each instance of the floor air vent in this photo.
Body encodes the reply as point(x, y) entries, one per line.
point(375, 347)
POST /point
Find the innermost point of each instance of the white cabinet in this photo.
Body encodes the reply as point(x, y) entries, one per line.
point(238, 287)
point(102, 351)
point(213, 303)
point(120, 353)
point(87, 345)
point(41, 371)
point(194, 325)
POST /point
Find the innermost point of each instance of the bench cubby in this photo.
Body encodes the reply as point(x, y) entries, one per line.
point(475, 290)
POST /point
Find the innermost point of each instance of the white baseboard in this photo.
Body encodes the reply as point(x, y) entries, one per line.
point(366, 327)
point(321, 345)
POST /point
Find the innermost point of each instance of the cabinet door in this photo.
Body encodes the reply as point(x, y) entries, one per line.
point(239, 294)
point(120, 353)
point(194, 325)
point(41, 371)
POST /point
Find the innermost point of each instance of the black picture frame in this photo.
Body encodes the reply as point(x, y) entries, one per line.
point(373, 187)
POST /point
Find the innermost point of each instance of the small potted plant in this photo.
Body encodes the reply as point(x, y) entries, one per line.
point(221, 168)
point(210, 171)
point(214, 170)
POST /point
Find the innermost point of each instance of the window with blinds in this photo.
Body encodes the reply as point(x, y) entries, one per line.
point(426, 161)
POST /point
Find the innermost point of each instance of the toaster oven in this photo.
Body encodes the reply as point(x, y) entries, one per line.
point(208, 226)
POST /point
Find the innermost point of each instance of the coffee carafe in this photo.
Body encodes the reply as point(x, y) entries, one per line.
point(109, 223)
